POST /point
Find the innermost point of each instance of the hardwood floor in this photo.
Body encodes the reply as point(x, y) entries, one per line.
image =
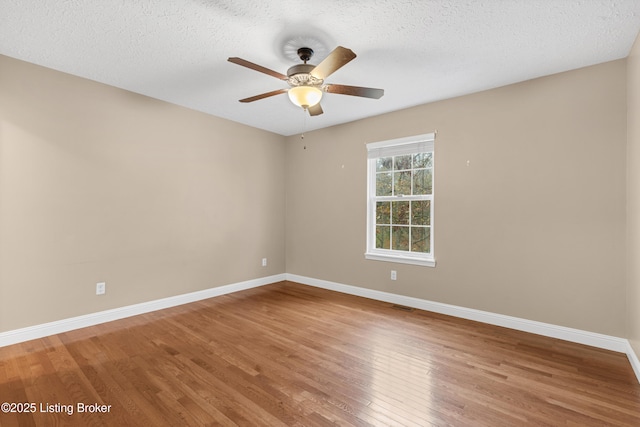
point(291, 355)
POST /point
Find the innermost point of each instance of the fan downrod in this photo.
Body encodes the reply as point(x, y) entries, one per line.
point(305, 54)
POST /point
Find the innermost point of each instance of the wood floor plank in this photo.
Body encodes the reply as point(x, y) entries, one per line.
point(292, 355)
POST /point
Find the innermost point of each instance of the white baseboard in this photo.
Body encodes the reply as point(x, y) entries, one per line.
point(65, 325)
point(593, 339)
point(633, 359)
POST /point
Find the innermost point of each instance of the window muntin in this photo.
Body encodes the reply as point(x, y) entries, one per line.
point(400, 200)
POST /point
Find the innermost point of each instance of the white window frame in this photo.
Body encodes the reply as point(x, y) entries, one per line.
point(397, 147)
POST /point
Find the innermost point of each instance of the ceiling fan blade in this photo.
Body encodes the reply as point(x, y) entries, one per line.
point(315, 110)
point(264, 95)
point(336, 59)
point(257, 67)
point(366, 92)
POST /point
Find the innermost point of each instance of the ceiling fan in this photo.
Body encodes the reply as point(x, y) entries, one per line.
point(306, 81)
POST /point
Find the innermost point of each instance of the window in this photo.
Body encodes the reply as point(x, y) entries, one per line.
point(400, 200)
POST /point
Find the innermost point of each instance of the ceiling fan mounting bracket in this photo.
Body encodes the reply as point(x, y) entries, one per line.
point(305, 54)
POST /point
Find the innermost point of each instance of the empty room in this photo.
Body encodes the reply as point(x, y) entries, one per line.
point(366, 213)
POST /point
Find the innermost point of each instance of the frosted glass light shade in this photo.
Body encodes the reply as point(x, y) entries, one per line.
point(305, 96)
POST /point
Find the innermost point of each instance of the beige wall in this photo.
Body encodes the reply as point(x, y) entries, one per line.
point(99, 184)
point(534, 227)
point(633, 196)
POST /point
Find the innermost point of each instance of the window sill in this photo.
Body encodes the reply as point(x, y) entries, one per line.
point(400, 259)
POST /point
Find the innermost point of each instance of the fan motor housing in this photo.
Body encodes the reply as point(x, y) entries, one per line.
point(300, 69)
point(300, 75)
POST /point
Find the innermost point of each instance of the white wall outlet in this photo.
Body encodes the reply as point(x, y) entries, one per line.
point(264, 262)
point(394, 275)
point(101, 288)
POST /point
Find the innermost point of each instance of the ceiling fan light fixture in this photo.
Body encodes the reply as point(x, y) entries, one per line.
point(305, 96)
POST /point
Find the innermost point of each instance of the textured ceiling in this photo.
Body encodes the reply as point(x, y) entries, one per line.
point(418, 51)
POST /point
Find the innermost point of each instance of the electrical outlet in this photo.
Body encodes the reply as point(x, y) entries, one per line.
point(394, 275)
point(101, 288)
point(264, 262)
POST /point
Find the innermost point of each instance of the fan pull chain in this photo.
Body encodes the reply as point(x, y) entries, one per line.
point(304, 125)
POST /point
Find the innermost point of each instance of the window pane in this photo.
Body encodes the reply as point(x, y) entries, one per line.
point(422, 160)
point(402, 183)
point(384, 164)
point(402, 162)
point(383, 237)
point(421, 212)
point(400, 223)
point(420, 239)
point(400, 212)
point(383, 184)
point(383, 213)
point(400, 241)
point(422, 181)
